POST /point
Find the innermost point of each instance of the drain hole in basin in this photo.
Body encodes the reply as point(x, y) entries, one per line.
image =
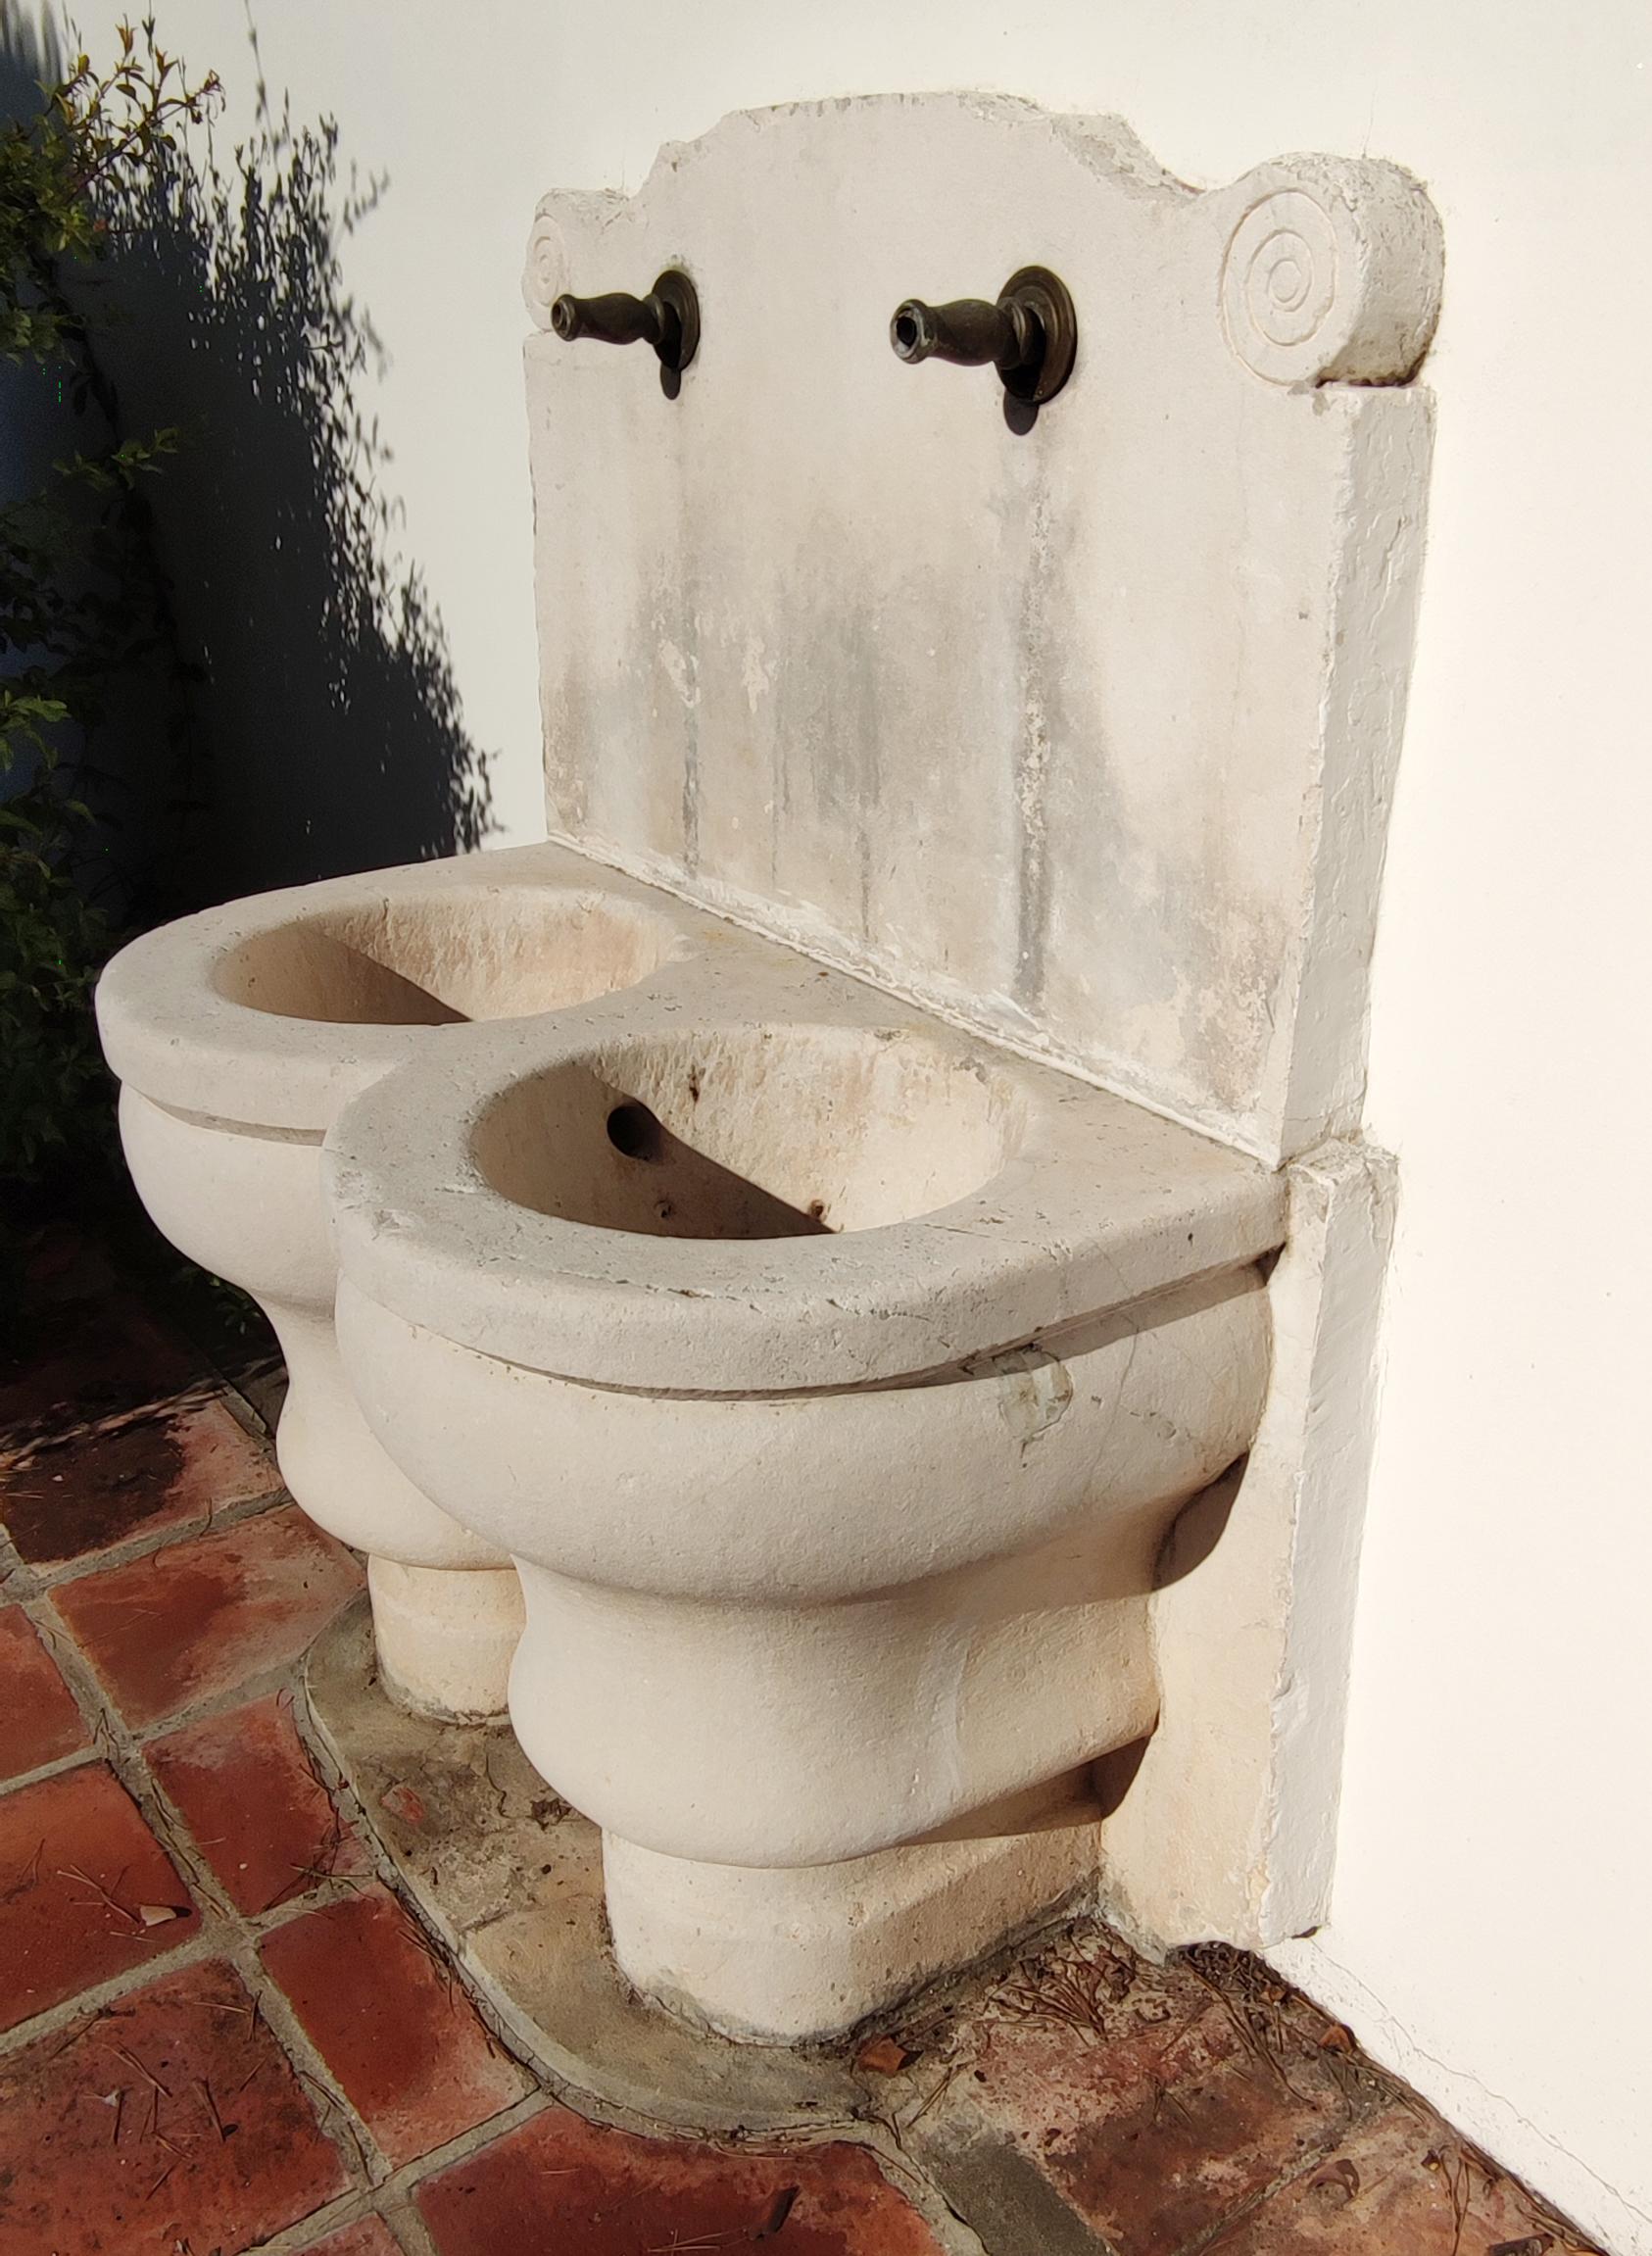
point(634, 1130)
point(789, 1131)
point(692, 1195)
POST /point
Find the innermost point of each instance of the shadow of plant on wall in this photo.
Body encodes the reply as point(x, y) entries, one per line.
point(327, 716)
point(92, 728)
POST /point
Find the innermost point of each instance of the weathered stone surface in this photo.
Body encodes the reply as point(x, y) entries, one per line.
point(1131, 681)
point(970, 1201)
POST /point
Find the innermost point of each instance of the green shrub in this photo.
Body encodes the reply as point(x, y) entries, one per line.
point(82, 603)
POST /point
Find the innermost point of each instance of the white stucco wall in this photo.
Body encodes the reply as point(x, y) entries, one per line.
point(1488, 1935)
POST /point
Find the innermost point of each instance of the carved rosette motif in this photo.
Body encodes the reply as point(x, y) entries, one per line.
point(543, 277)
point(1278, 288)
point(1332, 273)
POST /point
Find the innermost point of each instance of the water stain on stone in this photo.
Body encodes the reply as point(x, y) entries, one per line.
point(1035, 1392)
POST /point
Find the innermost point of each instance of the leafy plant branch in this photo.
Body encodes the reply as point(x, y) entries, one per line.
point(80, 600)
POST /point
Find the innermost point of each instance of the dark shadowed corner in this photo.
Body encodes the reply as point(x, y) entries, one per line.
point(126, 752)
point(328, 724)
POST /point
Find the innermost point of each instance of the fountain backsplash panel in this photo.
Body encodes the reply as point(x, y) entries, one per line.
point(1081, 733)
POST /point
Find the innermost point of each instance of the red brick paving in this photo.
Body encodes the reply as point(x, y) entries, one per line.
point(171, 2119)
point(78, 1497)
point(81, 1877)
point(209, 1613)
point(1156, 2102)
point(392, 2023)
point(1161, 2162)
point(610, 2193)
point(1175, 2122)
point(1400, 2181)
point(1151, 2105)
point(39, 1722)
point(260, 1815)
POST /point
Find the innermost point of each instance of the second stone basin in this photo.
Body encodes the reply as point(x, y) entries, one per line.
point(238, 1035)
point(435, 957)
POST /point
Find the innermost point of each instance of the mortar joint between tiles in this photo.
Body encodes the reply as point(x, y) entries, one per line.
point(133, 1550)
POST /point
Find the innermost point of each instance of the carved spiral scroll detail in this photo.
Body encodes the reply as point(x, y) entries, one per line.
point(1280, 286)
point(545, 277)
point(1331, 271)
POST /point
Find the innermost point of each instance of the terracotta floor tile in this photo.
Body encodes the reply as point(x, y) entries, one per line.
point(88, 1360)
point(1146, 2105)
point(1400, 2181)
point(1165, 2163)
point(392, 2023)
point(78, 1496)
point(610, 2193)
point(370, 2238)
point(208, 1613)
point(260, 1815)
point(39, 1722)
point(78, 1868)
point(227, 2152)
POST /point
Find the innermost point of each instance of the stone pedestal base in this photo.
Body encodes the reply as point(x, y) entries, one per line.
point(785, 1956)
point(446, 1637)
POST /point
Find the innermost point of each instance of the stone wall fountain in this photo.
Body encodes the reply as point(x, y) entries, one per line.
point(870, 1222)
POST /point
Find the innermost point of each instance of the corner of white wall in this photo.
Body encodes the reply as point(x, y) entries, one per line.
point(1487, 2119)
